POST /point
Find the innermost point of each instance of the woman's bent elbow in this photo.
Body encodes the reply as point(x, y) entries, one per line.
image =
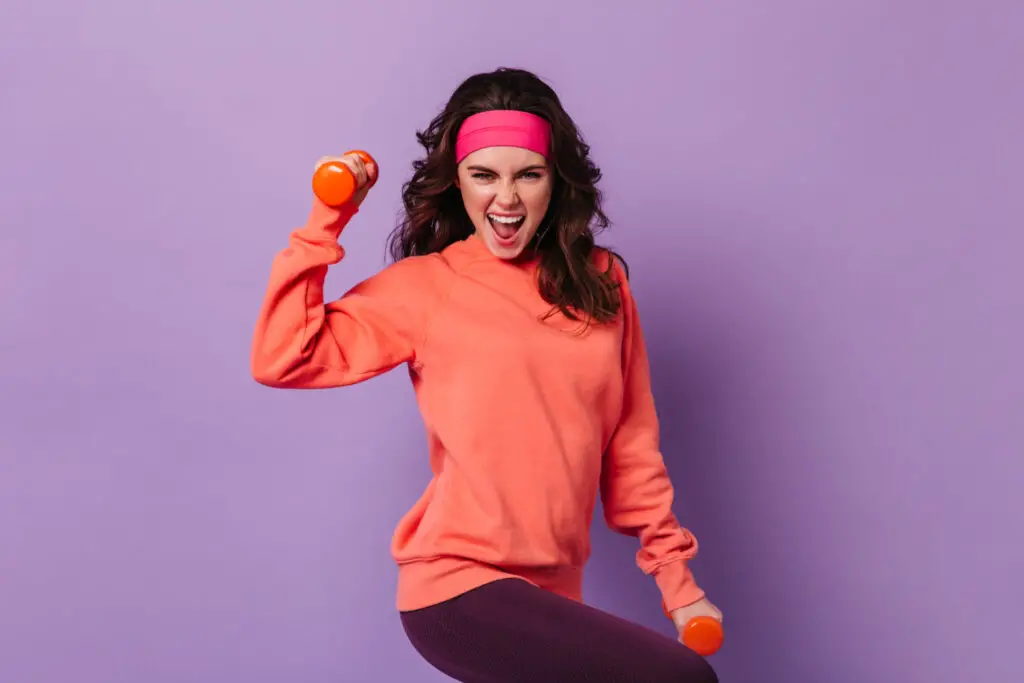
point(269, 372)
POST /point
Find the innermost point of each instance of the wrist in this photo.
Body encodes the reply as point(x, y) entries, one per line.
point(677, 585)
point(328, 221)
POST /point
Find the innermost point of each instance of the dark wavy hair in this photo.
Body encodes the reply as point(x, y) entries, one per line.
point(435, 217)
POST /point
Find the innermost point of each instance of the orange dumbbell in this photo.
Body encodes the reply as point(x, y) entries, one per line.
point(334, 183)
point(703, 635)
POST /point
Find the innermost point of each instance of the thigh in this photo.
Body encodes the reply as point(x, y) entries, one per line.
point(510, 631)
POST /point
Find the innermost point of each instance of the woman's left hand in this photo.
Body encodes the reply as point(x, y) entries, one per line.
point(701, 608)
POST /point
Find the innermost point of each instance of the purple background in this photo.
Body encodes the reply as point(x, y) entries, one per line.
point(821, 203)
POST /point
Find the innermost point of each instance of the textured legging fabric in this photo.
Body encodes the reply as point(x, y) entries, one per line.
point(510, 631)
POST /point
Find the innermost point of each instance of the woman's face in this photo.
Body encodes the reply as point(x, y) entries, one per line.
point(506, 191)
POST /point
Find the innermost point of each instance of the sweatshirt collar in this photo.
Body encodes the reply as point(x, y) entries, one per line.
point(476, 249)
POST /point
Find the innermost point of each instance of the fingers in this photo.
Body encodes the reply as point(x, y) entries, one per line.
point(702, 608)
point(362, 171)
point(371, 170)
point(358, 167)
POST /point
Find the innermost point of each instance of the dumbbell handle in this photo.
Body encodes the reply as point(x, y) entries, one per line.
point(334, 183)
point(703, 635)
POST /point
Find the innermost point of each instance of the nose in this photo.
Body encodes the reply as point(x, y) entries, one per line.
point(507, 195)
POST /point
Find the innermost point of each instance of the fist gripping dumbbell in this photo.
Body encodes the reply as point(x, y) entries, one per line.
point(335, 184)
point(703, 635)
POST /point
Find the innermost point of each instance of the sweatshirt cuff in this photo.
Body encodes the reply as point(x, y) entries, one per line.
point(327, 222)
point(677, 585)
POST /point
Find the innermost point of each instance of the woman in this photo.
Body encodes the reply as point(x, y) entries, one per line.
point(529, 366)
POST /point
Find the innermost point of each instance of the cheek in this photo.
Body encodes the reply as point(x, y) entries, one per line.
point(537, 199)
point(475, 198)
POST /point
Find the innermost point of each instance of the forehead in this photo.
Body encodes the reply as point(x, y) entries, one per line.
point(504, 158)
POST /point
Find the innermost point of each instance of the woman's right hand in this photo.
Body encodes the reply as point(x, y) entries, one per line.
point(363, 172)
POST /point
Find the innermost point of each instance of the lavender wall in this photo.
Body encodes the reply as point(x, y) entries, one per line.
point(821, 204)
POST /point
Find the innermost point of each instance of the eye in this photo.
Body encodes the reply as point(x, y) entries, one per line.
point(480, 175)
point(532, 175)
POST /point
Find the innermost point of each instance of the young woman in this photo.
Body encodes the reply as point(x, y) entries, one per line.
point(528, 362)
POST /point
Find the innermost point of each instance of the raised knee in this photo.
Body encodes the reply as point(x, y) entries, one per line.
point(708, 675)
point(698, 671)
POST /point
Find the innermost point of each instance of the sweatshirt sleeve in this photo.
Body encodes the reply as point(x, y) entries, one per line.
point(302, 343)
point(636, 491)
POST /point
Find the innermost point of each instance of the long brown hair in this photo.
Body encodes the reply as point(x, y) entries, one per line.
point(434, 216)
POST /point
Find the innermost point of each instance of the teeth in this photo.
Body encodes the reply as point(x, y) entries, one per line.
point(508, 220)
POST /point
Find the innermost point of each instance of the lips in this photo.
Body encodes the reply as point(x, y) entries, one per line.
point(505, 227)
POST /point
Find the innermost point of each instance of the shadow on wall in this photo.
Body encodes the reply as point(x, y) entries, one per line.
point(704, 316)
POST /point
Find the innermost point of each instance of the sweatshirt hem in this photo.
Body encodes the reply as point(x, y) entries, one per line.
point(427, 582)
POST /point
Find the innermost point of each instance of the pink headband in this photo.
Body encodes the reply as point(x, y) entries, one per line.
point(503, 128)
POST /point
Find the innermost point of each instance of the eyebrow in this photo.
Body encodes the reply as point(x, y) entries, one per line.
point(522, 170)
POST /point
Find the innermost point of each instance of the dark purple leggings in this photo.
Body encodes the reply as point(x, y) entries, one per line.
point(510, 631)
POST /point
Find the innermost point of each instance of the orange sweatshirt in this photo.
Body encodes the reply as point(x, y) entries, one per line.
point(527, 420)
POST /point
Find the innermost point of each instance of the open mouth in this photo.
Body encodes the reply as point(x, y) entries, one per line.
point(505, 227)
